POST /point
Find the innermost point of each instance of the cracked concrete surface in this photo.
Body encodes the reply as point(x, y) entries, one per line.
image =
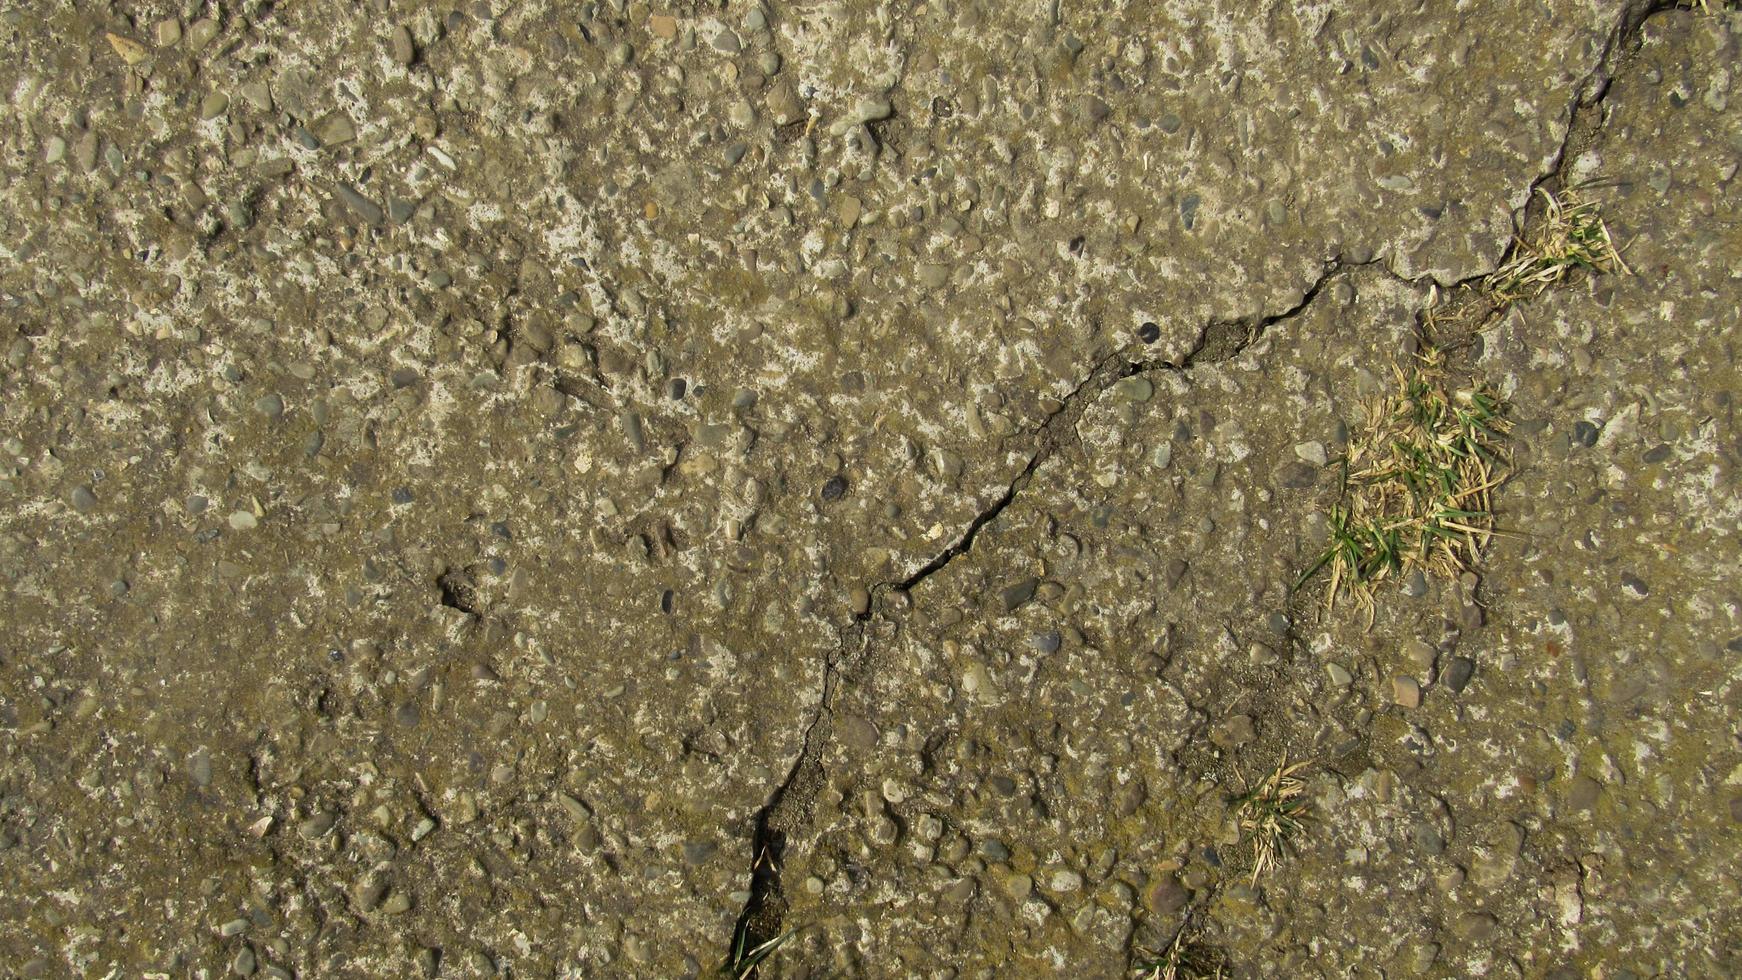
point(480, 479)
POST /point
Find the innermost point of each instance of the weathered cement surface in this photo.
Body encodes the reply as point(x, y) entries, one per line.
point(460, 460)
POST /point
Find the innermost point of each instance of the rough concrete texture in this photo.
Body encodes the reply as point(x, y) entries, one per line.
point(480, 478)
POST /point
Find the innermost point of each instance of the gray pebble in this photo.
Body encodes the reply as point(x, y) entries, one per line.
point(960, 891)
point(1458, 673)
point(361, 206)
point(316, 825)
point(368, 894)
point(1176, 570)
point(1405, 691)
point(396, 903)
point(1014, 596)
point(404, 51)
point(1136, 388)
point(83, 500)
point(1166, 894)
point(1415, 584)
point(1065, 881)
point(1429, 840)
point(200, 767)
point(214, 105)
point(1188, 210)
point(335, 130)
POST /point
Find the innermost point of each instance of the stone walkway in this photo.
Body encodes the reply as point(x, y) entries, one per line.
point(564, 490)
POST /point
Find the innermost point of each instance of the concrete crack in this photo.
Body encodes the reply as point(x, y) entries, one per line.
point(1220, 340)
point(1466, 301)
point(789, 806)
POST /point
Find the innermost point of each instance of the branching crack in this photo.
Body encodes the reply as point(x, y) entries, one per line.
point(789, 806)
point(1467, 302)
point(1220, 340)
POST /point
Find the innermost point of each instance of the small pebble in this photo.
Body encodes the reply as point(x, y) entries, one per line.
point(1406, 691)
point(336, 130)
point(83, 500)
point(1634, 585)
point(1420, 654)
point(1014, 596)
point(1235, 731)
point(360, 206)
point(1136, 389)
point(214, 105)
point(316, 826)
point(1167, 895)
point(1311, 452)
point(1458, 673)
point(1415, 584)
point(404, 51)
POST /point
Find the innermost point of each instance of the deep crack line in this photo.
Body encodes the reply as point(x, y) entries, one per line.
point(790, 804)
point(1218, 341)
point(1070, 409)
point(1584, 122)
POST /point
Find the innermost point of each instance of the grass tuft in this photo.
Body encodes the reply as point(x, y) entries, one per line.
point(1182, 961)
point(1571, 236)
point(746, 959)
point(1417, 480)
point(1271, 814)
